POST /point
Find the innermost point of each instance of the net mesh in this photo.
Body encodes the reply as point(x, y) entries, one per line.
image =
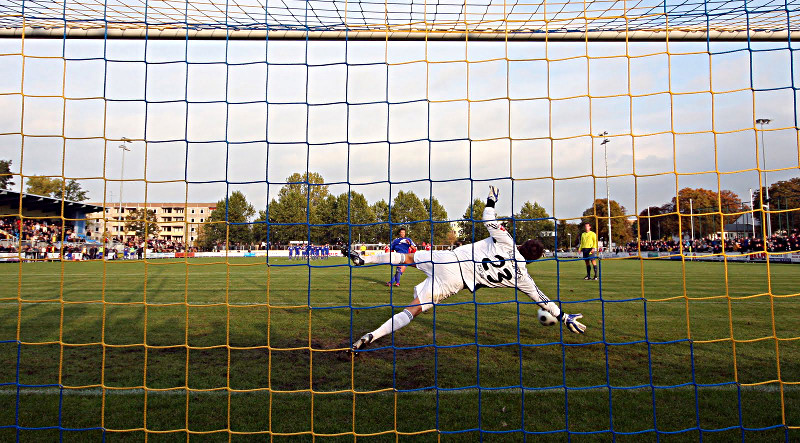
point(239, 347)
point(407, 18)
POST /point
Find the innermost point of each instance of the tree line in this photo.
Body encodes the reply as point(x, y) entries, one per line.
point(709, 210)
point(306, 210)
point(45, 186)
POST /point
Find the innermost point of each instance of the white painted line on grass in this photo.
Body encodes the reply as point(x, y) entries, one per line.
point(768, 388)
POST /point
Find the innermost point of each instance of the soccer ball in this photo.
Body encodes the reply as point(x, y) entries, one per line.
point(546, 318)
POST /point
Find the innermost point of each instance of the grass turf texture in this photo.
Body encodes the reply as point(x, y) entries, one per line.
point(248, 327)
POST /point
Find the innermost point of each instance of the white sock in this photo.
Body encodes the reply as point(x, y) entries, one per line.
point(392, 257)
point(396, 322)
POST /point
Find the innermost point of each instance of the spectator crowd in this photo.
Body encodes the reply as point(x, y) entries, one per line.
point(775, 243)
point(38, 238)
point(35, 230)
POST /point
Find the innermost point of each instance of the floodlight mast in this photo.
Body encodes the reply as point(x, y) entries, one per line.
point(124, 148)
point(604, 143)
point(768, 225)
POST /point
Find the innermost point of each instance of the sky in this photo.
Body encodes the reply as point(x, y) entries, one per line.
point(523, 116)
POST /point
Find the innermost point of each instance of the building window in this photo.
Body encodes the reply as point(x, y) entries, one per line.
point(201, 220)
point(201, 211)
point(192, 229)
point(192, 211)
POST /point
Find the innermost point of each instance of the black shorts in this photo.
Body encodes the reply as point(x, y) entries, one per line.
point(587, 252)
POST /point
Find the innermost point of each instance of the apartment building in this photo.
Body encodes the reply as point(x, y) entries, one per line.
point(176, 221)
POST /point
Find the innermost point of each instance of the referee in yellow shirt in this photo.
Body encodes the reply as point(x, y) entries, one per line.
point(589, 247)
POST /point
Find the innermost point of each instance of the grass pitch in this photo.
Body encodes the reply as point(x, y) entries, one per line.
point(260, 350)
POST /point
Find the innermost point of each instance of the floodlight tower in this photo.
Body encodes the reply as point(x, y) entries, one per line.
point(604, 143)
point(124, 148)
point(762, 122)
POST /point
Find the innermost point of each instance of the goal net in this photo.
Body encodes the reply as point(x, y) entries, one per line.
point(224, 151)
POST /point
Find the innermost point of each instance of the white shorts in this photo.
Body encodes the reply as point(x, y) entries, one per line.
point(444, 276)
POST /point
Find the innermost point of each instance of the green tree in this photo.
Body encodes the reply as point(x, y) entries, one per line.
point(438, 216)
point(704, 203)
point(259, 228)
point(44, 186)
point(55, 187)
point(407, 209)
point(142, 222)
point(472, 220)
point(361, 213)
point(72, 191)
point(597, 216)
point(783, 195)
point(332, 212)
point(527, 226)
point(305, 184)
point(6, 178)
point(658, 215)
point(705, 207)
point(220, 226)
point(297, 205)
point(381, 231)
point(289, 211)
point(568, 234)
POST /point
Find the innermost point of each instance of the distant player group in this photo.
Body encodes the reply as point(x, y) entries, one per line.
point(494, 262)
point(308, 252)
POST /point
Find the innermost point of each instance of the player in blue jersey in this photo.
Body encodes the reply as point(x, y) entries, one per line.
point(401, 245)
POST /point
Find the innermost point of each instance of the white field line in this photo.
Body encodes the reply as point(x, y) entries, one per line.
point(204, 303)
point(767, 388)
point(398, 301)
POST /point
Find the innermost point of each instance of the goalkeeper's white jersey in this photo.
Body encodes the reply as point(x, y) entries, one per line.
point(495, 262)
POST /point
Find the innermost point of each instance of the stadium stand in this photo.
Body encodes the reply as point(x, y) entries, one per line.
point(36, 227)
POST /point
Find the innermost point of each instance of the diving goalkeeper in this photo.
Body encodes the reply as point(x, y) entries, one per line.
point(493, 262)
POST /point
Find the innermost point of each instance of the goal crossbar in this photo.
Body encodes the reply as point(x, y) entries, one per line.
point(407, 35)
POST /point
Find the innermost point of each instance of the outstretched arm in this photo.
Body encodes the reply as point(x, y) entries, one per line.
point(496, 230)
point(526, 284)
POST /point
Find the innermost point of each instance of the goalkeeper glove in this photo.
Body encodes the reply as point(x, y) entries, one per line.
point(494, 194)
point(571, 321)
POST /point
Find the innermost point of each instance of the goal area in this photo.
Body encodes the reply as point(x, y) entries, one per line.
point(231, 149)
